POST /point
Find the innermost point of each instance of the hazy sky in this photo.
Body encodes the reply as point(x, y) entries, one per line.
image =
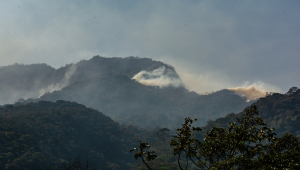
point(212, 44)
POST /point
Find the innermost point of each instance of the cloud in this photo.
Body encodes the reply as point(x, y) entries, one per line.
point(63, 83)
point(161, 77)
point(254, 91)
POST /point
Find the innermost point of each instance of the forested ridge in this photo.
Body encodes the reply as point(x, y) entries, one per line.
point(264, 136)
point(106, 84)
point(129, 102)
point(280, 111)
point(51, 129)
point(42, 134)
point(31, 81)
point(39, 135)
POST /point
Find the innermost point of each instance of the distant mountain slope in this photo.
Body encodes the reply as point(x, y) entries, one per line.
point(17, 81)
point(31, 81)
point(35, 135)
point(106, 84)
point(130, 102)
point(128, 66)
point(280, 111)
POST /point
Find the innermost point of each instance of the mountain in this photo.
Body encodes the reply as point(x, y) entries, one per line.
point(130, 102)
point(138, 91)
point(279, 111)
point(31, 81)
point(37, 135)
point(24, 81)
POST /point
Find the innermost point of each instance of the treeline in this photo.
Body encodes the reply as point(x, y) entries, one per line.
point(52, 134)
point(280, 111)
point(47, 134)
point(263, 136)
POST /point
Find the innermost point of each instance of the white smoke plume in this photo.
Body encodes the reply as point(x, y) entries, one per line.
point(63, 83)
point(159, 77)
point(254, 91)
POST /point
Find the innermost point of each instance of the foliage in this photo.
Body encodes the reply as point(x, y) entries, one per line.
point(279, 111)
point(245, 144)
point(77, 164)
point(37, 135)
point(143, 152)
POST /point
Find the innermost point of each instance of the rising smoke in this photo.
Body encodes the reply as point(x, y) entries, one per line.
point(161, 77)
point(63, 83)
point(254, 91)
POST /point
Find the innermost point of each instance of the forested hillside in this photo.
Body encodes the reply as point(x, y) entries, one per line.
point(155, 97)
point(24, 81)
point(233, 135)
point(31, 81)
point(280, 111)
point(38, 135)
point(130, 102)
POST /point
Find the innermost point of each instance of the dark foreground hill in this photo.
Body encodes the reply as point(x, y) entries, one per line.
point(279, 111)
point(37, 135)
point(106, 84)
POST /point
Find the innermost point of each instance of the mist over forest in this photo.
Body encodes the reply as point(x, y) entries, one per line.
point(132, 90)
point(159, 85)
point(102, 106)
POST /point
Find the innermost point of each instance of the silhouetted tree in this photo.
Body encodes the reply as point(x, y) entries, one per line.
point(245, 144)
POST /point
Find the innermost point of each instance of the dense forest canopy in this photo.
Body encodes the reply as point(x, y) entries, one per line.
point(38, 135)
point(263, 136)
point(280, 111)
point(247, 143)
point(55, 132)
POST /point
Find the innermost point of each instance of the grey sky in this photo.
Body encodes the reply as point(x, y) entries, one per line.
point(212, 44)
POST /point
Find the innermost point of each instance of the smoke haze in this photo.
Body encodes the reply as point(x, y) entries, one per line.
point(159, 77)
point(231, 37)
point(254, 91)
point(63, 83)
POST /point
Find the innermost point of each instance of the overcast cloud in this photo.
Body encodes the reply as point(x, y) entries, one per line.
point(212, 44)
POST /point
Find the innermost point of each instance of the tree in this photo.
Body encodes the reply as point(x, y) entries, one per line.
point(292, 90)
point(142, 152)
point(245, 144)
